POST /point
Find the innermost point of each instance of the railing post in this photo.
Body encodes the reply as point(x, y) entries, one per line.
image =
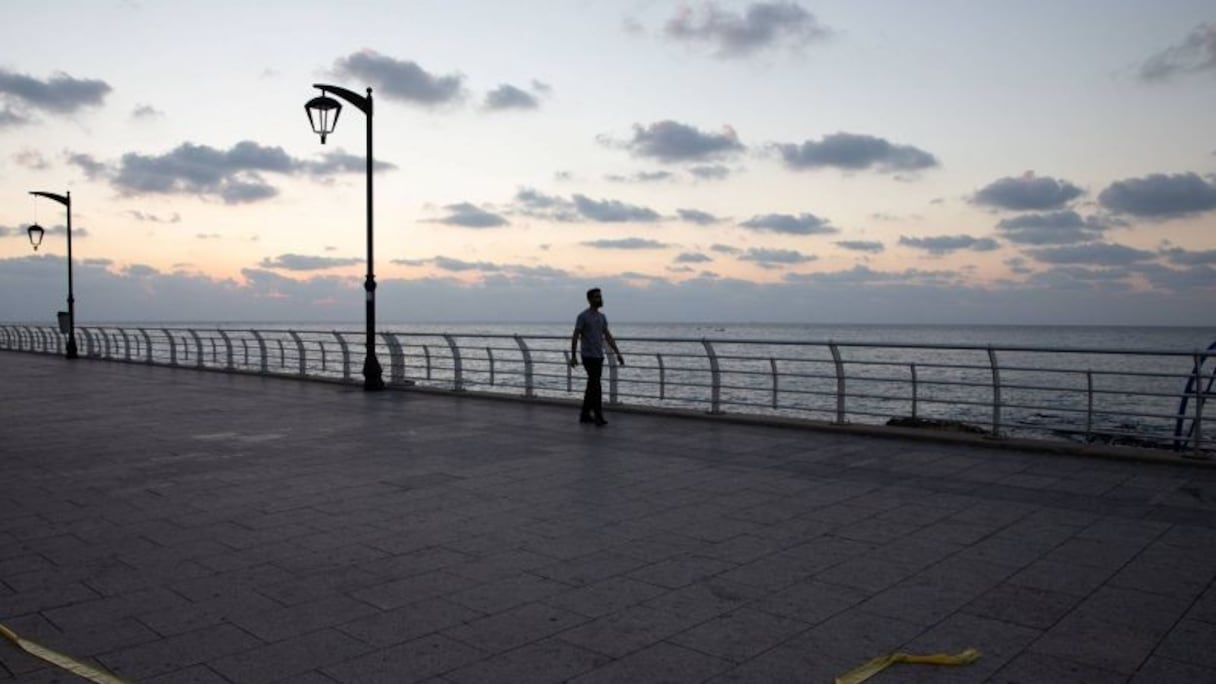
point(263, 355)
point(1089, 405)
point(172, 347)
point(88, 342)
point(426, 352)
point(457, 367)
point(569, 371)
point(282, 353)
point(396, 358)
point(42, 341)
point(324, 364)
point(662, 377)
point(126, 344)
point(345, 355)
point(299, 350)
point(996, 392)
point(147, 346)
point(245, 351)
point(198, 348)
point(490, 355)
point(215, 352)
point(915, 391)
point(840, 384)
point(523, 349)
point(1200, 395)
point(231, 364)
point(715, 377)
point(772, 364)
point(105, 342)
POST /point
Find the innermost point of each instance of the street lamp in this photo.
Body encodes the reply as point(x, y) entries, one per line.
point(36, 233)
point(323, 112)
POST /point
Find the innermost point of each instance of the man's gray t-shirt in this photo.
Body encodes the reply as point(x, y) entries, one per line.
point(591, 326)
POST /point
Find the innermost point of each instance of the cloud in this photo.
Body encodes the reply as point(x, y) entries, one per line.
point(1196, 53)
point(1184, 257)
point(1095, 254)
point(401, 80)
point(341, 161)
point(92, 168)
point(725, 249)
point(860, 246)
point(701, 218)
point(303, 262)
point(1160, 196)
point(612, 211)
point(232, 175)
point(709, 172)
point(60, 94)
point(514, 271)
point(670, 141)
point(1027, 193)
point(144, 111)
point(802, 224)
point(140, 271)
point(945, 244)
point(1196, 277)
point(31, 159)
point(152, 218)
point(467, 215)
point(626, 243)
point(692, 258)
point(642, 177)
point(507, 96)
point(776, 258)
point(1054, 228)
point(761, 25)
point(854, 152)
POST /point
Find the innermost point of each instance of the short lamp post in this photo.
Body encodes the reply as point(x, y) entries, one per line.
point(36, 233)
point(323, 112)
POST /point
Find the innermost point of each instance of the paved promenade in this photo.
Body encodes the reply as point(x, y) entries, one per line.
point(179, 526)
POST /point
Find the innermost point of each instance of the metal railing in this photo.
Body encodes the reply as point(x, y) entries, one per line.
point(1146, 398)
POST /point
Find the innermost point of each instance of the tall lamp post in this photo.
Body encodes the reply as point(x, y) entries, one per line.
point(36, 232)
point(323, 112)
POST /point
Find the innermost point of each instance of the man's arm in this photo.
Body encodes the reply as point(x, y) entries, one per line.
point(574, 346)
point(612, 343)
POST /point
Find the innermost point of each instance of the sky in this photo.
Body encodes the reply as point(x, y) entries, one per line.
point(842, 161)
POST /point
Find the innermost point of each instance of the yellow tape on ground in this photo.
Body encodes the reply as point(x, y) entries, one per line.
point(873, 667)
point(89, 672)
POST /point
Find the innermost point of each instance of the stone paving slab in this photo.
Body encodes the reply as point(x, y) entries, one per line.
point(172, 525)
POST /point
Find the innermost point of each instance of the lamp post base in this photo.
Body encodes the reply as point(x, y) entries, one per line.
point(373, 380)
point(71, 349)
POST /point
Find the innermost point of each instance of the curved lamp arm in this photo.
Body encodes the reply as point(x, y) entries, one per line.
point(363, 103)
point(64, 200)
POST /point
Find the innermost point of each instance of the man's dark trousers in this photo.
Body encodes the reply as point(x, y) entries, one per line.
point(593, 401)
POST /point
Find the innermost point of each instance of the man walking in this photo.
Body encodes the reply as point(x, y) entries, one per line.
point(591, 328)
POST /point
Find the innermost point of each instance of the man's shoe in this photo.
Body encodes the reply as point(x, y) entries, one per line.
point(599, 420)
point(584, 418)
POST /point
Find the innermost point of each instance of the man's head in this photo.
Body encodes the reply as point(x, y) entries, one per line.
point(594, 297)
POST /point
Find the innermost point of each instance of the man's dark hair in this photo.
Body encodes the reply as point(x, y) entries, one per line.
point(592, 292)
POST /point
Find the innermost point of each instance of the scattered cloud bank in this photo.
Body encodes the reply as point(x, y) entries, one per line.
point(1067, 292)
point(945, 244)
point(673, 142)
point(854, 152)
point(401, 80)
point(1160, 196)
point(1195, 54)
point(759, 26)
point(1027, 193)
point(22, 96)
point(233, 176)
point(788, 224)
